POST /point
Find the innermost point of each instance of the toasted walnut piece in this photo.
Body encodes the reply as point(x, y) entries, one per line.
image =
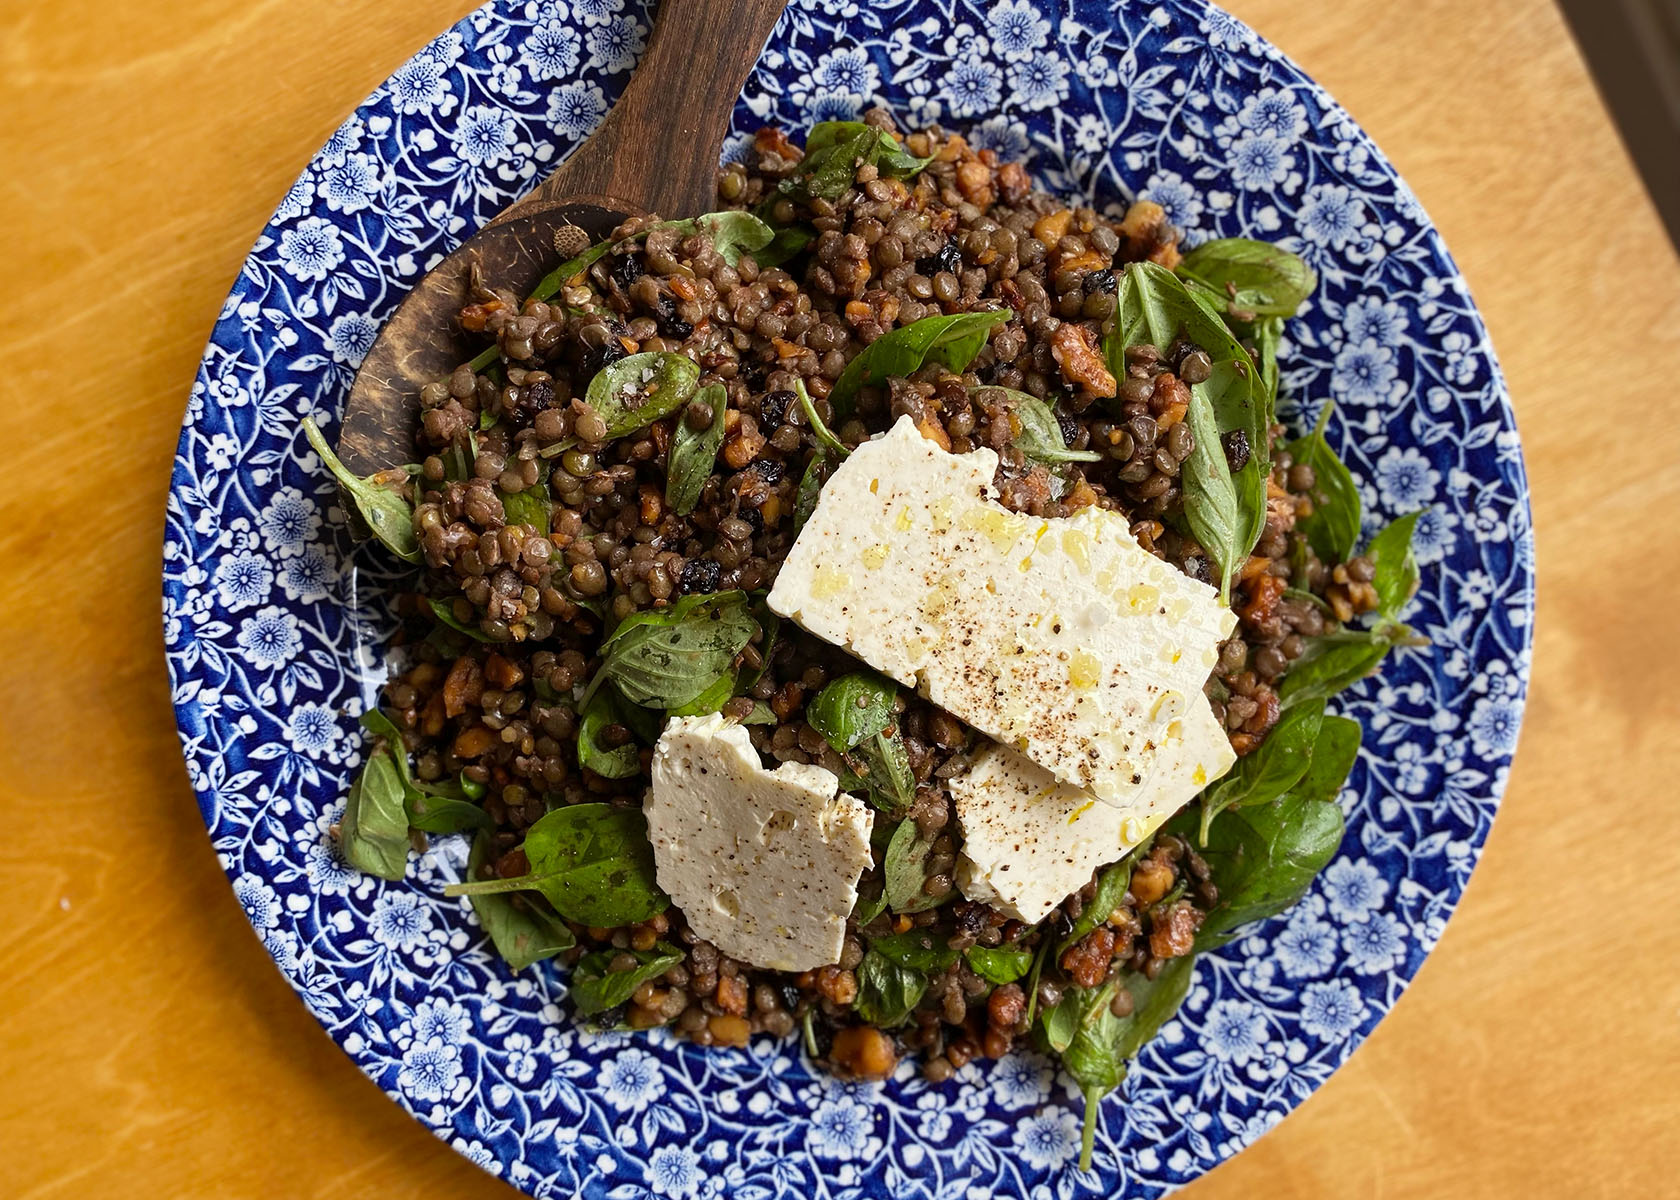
point(1075, 349)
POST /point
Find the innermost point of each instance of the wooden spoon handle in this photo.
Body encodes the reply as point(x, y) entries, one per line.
point(657, 150)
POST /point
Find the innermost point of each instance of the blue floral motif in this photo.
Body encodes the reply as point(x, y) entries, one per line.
point(274, 621)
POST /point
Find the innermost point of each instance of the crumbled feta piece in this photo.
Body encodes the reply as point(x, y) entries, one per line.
point(764, 864)
point(1030, 840)
point(1063, 638)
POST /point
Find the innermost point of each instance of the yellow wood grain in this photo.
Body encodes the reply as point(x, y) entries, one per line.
point(149, 1048)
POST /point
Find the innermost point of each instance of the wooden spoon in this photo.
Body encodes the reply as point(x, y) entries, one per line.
point(656, 152)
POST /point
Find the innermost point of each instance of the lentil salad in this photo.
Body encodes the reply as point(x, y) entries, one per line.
point(640, 442)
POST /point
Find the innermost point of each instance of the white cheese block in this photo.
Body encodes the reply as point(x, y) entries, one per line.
point(764, 864)
point(1030, 840)
point(1063, 638)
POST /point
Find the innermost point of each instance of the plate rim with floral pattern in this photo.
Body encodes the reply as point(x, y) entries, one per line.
point(273, 620)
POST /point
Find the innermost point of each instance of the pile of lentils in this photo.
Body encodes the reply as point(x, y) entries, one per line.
point(969, 232)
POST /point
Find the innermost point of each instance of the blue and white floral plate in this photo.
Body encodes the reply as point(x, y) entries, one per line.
point(274, 620)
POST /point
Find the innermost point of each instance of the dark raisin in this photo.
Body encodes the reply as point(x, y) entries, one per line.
point(773, 408)
point(769, 470)
point(627, 270)
point(948, 258)
point(701, 575)
point(1099, 281)
point(597, 357)
point(1198, 567)
point(671, 325)
point(1237, 450)
point(1070, 427)
point(754, 518)
point(533, 398)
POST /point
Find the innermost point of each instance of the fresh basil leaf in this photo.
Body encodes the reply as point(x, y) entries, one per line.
point(852, 708)
point(826, 438)
point(556, 279)
point(521, 931)
point(789, 241)
point(530, 507)
point(1396, 577)
point(917, 949)
point(373, 832)
point(388, 515)
point(595, 988)
point(886, 771)
point(620, 762)
point(1112, 886)
point(1262, 858)
point(887, 992)
point(1226, 510)
point(444, 611)
point(760, 715)
point(1272, 768)
point(1250, 276)
point(443, 808)
point(953, 340)
point(1005, 964)
point(637, 390)
point(733, 231)
point(694, 452)
point(721, 692)
point(1056, 1026)
point(904, 870)
point(1333, 664)
point(1103, 1044)
point(593, 862)
point(1267, 334)
point(1333, 757)
point(1040, 439)
point(670, 657)
point(810, 490)
point(1332, 528)
point(835, 149)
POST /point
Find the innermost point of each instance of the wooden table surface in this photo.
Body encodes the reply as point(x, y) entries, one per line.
point(149, 1048)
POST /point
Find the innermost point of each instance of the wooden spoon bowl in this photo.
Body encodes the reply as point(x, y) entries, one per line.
point(656, 152)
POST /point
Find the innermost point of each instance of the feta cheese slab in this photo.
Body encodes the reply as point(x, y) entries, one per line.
point(1062, 638)
point(1030, 840)
point(764, 864)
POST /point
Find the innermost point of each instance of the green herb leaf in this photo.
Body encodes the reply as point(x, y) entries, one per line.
point(953, 340)
point(887, 992)
point(1272, 768)
point(721, 691)
point(1102, 1044)
point(789, 241)
point(1332, 528)
point(1006, 964)
point(530, 507)
point(1058, 1025)
point(444, 611)
point(670, 657)
point(761, 714)
point(917, 949)
point(1226, 511)
point(621, 762)
point(1331, 665)
point(593, 863)
point(639, 389)
point(595, 988)
point(810, 490)
point(556, 279)
point(1396, 577)
point(388, 515)
point(825, 436)
point(1040, 439)
point(852, 708)
point(1250, 276)
point(1112, 885)
point(904, 870)
point(835, 149)
point(694, 452)
point(733, 231)
point(373, 832)
point(886, 771)
point(1264, 857)
point(521, 930)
